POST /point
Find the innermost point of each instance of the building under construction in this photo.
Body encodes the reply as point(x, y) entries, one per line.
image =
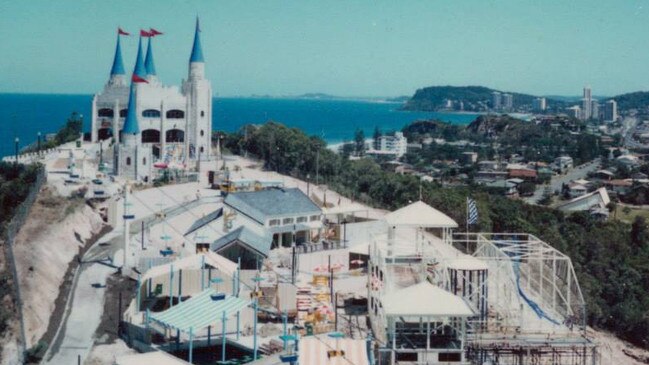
point(440, 297)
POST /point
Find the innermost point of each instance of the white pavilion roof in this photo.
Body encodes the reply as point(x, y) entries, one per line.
point(425, 300)
point(193, 262)
point(420, 214)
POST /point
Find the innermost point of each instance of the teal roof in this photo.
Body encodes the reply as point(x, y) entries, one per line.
point(265, 204)
point(247, 237)
point(205, 220)
point(139, 64)
point(199, 311)
point(118, 64)
point(149, 65)
point(131, 125)
point(197, 50)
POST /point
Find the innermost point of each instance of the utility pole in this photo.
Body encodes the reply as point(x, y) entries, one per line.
point(17, 141)
point(39, 143)
point(317, 167)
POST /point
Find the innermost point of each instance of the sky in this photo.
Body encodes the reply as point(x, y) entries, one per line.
point(346, 48)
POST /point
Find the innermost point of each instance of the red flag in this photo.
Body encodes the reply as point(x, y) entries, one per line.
point(137, 78)
point(121, 32)
point(155, 32)
point(144, 33)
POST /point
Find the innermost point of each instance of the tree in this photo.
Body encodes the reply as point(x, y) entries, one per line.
point(359, 140)
point(639, 231)
point(377, 138)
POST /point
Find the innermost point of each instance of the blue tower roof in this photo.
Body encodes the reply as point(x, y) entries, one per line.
point(197, 51)
point(148, 60)
point(118, 64)
point(131, 124)
point(139, 64)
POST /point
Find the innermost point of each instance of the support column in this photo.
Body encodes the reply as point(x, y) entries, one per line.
point(223, 339)
point(116, 121)
point(163, 132)
point(191, 345)
point(139, 289)
point(93, 118)
point(254, 330)
point(171, 286)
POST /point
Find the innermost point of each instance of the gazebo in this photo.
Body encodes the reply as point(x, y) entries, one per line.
point(425, 323)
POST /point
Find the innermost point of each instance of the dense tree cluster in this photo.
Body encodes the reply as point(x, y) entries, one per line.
point(15, 182)
point(611, 259)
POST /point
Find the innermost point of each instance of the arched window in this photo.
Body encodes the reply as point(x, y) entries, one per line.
point(151, 113)
point(105, 112)
point(144, 161)
point(202, 133)
point(150, 136)
point(202, 113)
point(128, 161)
point(175, 114)
point(122, 113)
point(104, 133)
point(175, 135)
point(202, 149)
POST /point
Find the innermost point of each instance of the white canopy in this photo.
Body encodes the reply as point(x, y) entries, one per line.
point(193, 262)
point(420, 214)
point(425, 300)
point(466, 262)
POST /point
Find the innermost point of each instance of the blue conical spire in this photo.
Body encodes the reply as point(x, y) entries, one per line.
point(131, 125)
point(118, 64)
point(197, 51)
point(148, 61)
point(139, 64)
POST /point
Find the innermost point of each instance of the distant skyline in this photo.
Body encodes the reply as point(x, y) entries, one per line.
point(359, 48)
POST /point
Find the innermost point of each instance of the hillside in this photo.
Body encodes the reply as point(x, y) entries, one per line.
point(475, 98)
point(634, 100)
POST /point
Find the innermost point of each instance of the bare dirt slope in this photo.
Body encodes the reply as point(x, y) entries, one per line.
point(54, 233)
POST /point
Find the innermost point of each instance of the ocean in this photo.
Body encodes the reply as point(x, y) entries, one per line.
point(24, 115)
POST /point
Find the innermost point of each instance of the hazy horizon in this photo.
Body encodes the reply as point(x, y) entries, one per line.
point(361, 49)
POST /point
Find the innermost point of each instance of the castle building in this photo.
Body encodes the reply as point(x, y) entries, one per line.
point(150, 122)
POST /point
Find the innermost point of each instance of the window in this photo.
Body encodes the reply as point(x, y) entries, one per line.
point(151, 113)
point(175, 114)
point(315, 218)
point(144, 161)
point(122, 113)
point(175, 135)
point(128, 161)
point(287, 221)
point(273, 222)
point(202, 133)
point(408, 357)
point(150, 136)
point(202, 149)
point(105, 112)
point(450, 356)
point(202, 113)
point(301, 219)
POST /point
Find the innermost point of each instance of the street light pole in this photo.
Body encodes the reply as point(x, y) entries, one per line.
point(17, 140)
point(39, 143)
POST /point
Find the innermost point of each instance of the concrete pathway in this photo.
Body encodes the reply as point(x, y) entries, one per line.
point(84, 308)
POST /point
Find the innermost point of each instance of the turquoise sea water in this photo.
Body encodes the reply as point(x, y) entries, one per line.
point(24, 115)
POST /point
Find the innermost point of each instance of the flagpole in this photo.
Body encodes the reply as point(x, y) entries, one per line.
point(467, 217)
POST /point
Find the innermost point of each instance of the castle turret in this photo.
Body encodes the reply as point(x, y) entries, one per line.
point(196, 60)
point(199, 104)
point(149, 65)
point(132, 160)
point(117, 74)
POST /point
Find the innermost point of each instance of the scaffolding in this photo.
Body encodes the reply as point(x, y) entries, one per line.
point(528, 305)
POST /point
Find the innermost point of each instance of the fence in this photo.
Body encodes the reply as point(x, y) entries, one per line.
point(11, 229)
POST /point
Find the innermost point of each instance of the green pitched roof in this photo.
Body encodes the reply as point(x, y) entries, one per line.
point(247, 237)
point(264, 204)
point(199, 311)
